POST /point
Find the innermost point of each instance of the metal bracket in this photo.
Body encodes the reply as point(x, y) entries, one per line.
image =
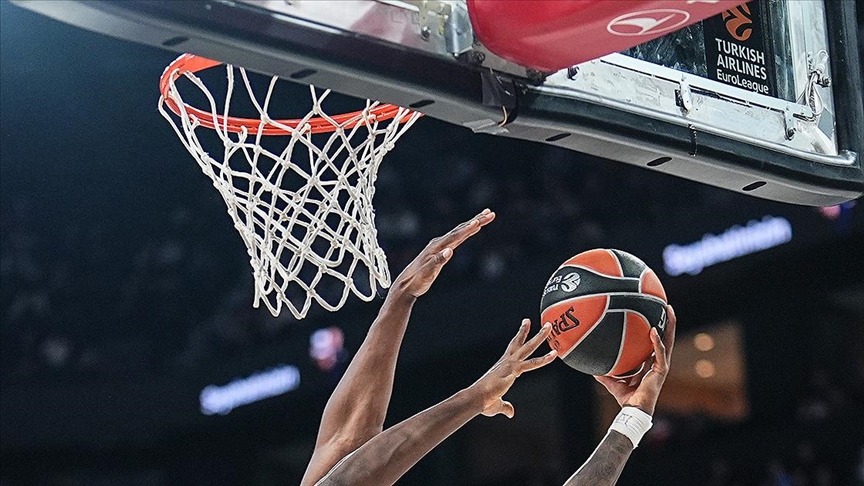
point(458, 32)
point(684, 96)
point(818, 65)
point(789, 122)
point(479, 56)
point(448, 20)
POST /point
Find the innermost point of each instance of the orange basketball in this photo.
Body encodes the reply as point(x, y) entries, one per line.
point(601, 305)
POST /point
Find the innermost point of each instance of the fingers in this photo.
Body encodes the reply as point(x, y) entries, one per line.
point(485, 217)
point(663, 348)
point(538, 362)
point(633, 381)
point(659, 349)
point(442, 256)
point(436, 263)
point(528, 348)
point(607, 381)
point(669, 336)
point(467, 229)
point(520, 336)
point(615, 387)
point(443, 246)
point(604, 380)
point(433, 266)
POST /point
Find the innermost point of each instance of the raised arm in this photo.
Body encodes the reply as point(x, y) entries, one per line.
point(386, 457)
point(356, 410)
point(637, 397)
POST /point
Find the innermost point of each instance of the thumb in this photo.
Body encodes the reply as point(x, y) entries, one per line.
point(500, 406)
point(443, 255)
point(507, 409)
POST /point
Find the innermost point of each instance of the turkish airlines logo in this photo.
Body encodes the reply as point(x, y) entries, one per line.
point(738, 22)
point(648, 22)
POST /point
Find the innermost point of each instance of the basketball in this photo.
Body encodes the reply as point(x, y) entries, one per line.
point(602, 304)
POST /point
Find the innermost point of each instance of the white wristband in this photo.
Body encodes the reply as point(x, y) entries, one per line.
point(633, 423)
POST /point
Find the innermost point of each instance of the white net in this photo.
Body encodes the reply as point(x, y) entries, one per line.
point(301, 200)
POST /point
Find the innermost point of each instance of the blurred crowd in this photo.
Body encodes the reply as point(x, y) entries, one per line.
point(818, 445)
point(91, 296)
point(90, 299)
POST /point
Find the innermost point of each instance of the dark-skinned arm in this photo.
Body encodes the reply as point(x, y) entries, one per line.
point(387, 456)
point(355, 412)
point(606, 462)
point(604, 466)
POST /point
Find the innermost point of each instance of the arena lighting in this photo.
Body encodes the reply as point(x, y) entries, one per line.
point(703, 342)
point(243, 391)
point(326, 347)
point(704, 368)
point(734, 242)
point(834, 212)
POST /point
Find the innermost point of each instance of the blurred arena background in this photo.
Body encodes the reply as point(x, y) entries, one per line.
point(131, 355)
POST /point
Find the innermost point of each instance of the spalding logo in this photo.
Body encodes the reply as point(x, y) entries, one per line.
point(662, 324)
point(564, 323)
point(570, 282)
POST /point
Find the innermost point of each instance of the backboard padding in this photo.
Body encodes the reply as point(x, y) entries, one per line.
point(451, 89)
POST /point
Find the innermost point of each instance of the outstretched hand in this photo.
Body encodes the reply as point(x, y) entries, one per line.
point(643, 390)
point(492, 386)
point(419, 275)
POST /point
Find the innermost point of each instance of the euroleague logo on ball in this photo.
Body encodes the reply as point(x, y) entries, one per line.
point(570, 282)
point(567, 283)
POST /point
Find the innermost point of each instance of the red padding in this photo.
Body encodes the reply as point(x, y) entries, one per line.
point(554, 34)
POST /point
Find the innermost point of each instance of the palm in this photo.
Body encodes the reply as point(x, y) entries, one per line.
point(643, 390)
point(505, 379)
point(494, 384)
point(421, 273)
point(420, 277)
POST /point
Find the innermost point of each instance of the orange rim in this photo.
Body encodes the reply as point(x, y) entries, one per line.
point(190, 63)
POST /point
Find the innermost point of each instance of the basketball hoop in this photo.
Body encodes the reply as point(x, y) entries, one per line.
point(306, 216)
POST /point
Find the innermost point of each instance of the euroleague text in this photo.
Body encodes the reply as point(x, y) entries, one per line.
point(734, 60)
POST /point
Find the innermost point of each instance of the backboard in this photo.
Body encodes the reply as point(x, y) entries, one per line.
point(763, 99)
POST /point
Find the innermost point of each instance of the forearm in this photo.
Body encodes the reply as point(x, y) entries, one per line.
point(361, 397)
point(638, 401)
point(386, 457)
point(606, 462)
point(387, 330)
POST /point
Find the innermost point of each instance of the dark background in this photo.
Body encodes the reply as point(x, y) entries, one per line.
point(125, 291)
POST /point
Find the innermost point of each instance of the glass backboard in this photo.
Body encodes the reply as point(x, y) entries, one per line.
point(763, 98)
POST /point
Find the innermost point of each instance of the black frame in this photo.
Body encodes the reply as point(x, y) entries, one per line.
point(454, 92)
